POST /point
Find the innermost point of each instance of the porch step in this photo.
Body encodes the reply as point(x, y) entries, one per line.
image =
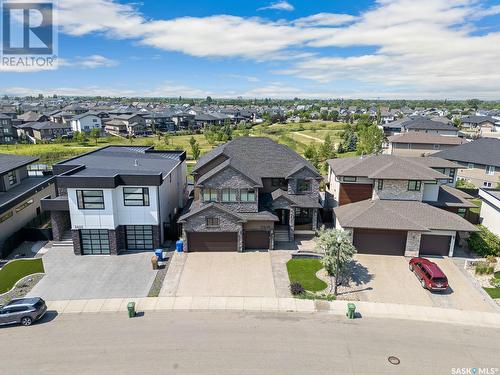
point(281, 236)
point(64, 243)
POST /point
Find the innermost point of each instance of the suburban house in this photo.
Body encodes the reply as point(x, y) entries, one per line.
point(43, 131)
point(20, 196)
point(124, 125)
point(479, 161)
point(490, 209)
point(425, 125)
point(7, 132)
point(32, 116)
point(248, 194)
point(118, 198)
point(420, 144)
point(161, 121)
point(398, 205)
point(481, 123)
point(85, 122)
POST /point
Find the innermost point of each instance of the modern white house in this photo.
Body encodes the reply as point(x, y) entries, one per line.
point(85, 122)
point(119, 198)
point(490, 209)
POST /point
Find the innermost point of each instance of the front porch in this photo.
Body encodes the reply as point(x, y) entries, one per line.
point(295, 220)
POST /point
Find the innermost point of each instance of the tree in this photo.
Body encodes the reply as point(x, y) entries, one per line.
point(370, 140)
point(195, 150)
point(311, 154)
point(337, 250)
point(484, 242)
point(349, 140)
point(166, 139)
point(80, 137)
point(457, 122)
point(96, 134)
point(327, 149)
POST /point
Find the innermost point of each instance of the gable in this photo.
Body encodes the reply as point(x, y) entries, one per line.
point(229, 177)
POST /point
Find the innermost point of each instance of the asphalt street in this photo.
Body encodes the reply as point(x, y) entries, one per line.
point(242, 343)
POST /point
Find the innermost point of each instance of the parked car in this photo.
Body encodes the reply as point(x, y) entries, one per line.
point(22, 311)
point(430, 275)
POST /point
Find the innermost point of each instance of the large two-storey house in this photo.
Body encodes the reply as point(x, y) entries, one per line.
point(248, 194)
point(398, 205)
point(118, 198)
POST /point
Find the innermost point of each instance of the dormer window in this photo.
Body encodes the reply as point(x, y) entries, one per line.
point(210, 195)
point(414, 185)
point(303, 186)
point(229, 195)
point(247, 195)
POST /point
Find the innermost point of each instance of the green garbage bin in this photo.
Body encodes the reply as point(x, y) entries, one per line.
point(131, 309)
point(351, 310)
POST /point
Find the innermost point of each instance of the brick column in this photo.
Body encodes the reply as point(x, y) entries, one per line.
point(77, 246)
point(61, 223)
point(291, 223)
point(412, 244)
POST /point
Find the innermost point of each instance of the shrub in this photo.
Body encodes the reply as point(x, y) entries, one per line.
point(484, 268)
point(296, 288)
point(495, 283)
point(484, 242)
point(491, 259)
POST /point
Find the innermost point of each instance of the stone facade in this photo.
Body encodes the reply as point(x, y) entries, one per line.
point(61, 222)
point(397, 190)
point(412, 244)
point(304, 173)
point(77, 245)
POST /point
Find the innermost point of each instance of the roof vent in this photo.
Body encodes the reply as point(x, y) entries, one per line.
point(136, 164)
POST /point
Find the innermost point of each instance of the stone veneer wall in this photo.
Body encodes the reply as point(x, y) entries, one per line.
point(397, 189)
point(77, 246)
point(61, 222)
point(412, 243)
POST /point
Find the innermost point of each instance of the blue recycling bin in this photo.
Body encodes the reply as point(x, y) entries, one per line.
point(159, 254)
point(179, 246)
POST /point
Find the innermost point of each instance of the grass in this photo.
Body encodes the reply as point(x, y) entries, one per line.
point(478, 203)
point(496, 275)
point(493, 292)
point(15, 270)
point(304, 271)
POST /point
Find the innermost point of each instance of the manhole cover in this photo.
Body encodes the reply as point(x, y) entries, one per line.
point(394, 360)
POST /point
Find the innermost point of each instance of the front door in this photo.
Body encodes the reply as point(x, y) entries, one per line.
point(283, 215)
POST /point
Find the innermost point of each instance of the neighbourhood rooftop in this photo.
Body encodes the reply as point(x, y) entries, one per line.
point(10, 162)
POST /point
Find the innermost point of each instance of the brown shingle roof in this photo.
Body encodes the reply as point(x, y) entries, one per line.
point(424, 138)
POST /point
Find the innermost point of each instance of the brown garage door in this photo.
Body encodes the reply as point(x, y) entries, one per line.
point(216, 241)
point(257, 240)
point(434, 245)
point(352, 193)
point(384, 242)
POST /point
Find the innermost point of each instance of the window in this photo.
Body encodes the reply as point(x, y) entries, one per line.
point(470, 165)
point(435, 147)
point(134, 196)
point(490, 170)
point(94, 241)
point(229, 195)
point(303, 186)
point(24, 205)
point(12, 178)
point(349, 179)
point(212, 222)
point(486, 184)
point(247, 195)
point(209, 195)
point(452, 174)
point(6, 216)
point(380, 184)
point(90, 199)
point(461, 212)
point(414, 185)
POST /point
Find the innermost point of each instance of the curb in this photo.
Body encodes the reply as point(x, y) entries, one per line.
point(279, 305)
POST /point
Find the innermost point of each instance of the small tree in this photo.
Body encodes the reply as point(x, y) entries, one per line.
point(370, 140)
point(327, 149)
point(166, 139)
point(484, 242)
point(337, 249)
point(96, 134)
point(195, 148)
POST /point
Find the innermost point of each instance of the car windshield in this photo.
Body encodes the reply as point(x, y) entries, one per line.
point(38, 304)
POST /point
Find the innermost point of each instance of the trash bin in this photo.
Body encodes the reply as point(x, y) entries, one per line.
point(351, 310)
point(154, 262)
point(159, 254)
point(131, 309)
point(179, 246)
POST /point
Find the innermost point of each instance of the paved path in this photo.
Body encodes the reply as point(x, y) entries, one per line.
point(272, 304)
point(279, 259)
point(242, 343)
point(319, 140)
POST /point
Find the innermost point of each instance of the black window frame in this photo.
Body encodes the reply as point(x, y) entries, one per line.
point(139, 237)
point(305, 182)
point(144, 197)
point(418, 185)
point(380, 184)
point(212, 222)
point(80, 197)
point(246, 193)
point(97, 239)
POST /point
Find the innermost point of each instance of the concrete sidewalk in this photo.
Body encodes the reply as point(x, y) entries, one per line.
point(271, 304)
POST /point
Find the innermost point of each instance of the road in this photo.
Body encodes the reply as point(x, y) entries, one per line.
point(241, 343)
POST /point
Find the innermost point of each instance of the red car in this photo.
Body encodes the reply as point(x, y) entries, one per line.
point(430, 275)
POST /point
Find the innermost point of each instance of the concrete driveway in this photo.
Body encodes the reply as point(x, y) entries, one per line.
point(220, 274)
point(68, 276)
point(388, 279)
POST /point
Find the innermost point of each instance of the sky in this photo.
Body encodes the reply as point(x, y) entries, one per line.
point(387, 49)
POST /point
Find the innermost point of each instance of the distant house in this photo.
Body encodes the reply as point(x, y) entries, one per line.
point(426, 125)
point(20, 196)
point(43, 131)
point(32, 117)
point(479, 161)
point(420, 144)
point(125, 125)
point(7, 132)
point(161, 121)
point(481, 123)
point(85, 122)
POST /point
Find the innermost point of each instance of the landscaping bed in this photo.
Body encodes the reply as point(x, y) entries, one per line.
point(304, 280)
point(22, 288)
point(487, 274)
point(15, 270)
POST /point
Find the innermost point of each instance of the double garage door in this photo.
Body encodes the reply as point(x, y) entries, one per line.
point(227, 241)
point(383, 242)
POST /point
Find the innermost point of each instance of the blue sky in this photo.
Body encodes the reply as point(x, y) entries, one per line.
point(307, 48)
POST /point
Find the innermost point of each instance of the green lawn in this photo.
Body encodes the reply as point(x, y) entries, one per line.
point(493, 292)
point(15, 270)
point(304, 272)
point(478, 203)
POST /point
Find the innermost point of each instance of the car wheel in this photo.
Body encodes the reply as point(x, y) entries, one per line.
point(26, 321)
point(422, 282)
point(411, 267)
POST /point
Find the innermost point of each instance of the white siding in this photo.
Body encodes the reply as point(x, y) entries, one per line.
point(431, 192)
point(136, 215)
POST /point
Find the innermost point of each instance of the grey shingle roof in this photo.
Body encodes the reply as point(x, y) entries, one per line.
point(427, 124)
point(46, 125)
point(10, 162)
point(450, 197)
point(258, 158)
point(485, 151)
point(384, 167)
point(425, 138)
point(399, 215)
point(297, 200)
point(478, 119)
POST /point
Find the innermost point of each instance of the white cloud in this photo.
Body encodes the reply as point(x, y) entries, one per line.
point(279, 5)
point(324, 19)
point(89, 62)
